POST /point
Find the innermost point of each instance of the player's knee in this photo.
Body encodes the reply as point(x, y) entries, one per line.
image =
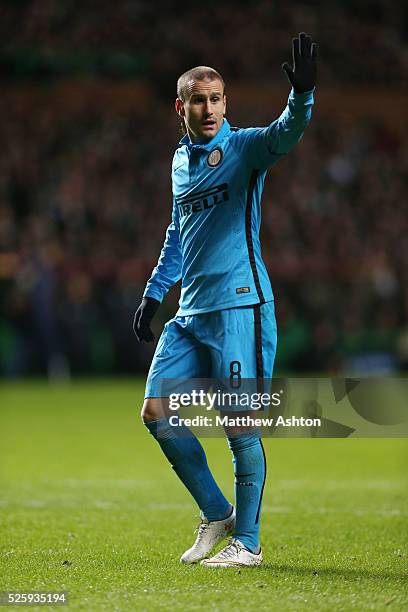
point(147, 413)
point(153, 408)
point(237, 432)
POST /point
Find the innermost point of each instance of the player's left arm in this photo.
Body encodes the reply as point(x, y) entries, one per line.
point(264, 146)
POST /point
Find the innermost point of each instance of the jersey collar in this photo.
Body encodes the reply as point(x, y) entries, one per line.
point(222, 132)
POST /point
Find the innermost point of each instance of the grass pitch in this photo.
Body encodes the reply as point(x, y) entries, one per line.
point(90, 506)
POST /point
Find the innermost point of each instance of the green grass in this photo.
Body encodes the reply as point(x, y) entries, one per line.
point(89, 505)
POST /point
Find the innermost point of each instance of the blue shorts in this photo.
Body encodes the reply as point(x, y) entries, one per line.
point(212, 344)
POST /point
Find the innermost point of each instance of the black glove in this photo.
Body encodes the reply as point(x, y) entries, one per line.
point(303, 75)
point(143, 318)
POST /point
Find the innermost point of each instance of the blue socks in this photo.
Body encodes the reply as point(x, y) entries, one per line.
point(250, 473)
point(188, 460)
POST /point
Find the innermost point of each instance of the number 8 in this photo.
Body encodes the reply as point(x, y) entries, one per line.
point(235, 374)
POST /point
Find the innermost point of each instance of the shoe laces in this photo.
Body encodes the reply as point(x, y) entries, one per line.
point(231, 550)
point(201, 529)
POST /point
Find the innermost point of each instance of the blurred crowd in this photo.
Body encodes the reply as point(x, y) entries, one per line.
point(85, 198)
point(85, 193)
point(359, 42)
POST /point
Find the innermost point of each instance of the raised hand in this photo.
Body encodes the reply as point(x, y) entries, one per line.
point(302, 76)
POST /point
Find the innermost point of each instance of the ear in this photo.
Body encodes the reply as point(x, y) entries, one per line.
point(179, 106)
point(225, 105)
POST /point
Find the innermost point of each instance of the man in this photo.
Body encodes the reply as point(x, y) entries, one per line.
point(225, 324)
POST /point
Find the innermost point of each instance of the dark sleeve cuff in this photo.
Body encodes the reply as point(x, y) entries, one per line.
point(306, 97)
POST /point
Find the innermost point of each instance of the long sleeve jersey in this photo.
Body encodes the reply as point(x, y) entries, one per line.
point(212, 243)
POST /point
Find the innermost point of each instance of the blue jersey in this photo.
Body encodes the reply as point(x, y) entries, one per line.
point(212, 243)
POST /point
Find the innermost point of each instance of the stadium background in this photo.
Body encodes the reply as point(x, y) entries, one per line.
point(88, 131)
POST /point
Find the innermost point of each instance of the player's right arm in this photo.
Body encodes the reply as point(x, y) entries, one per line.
point(166, 274)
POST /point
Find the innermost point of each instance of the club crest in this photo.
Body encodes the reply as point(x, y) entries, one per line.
point(214, 158)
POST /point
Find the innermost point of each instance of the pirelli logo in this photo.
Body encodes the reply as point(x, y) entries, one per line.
point(197, 202)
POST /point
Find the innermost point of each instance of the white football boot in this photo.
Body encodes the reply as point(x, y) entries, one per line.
point(209, 534)
point(232, 555)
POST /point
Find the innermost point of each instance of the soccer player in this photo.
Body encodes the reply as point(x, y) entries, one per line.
point(226, 321)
